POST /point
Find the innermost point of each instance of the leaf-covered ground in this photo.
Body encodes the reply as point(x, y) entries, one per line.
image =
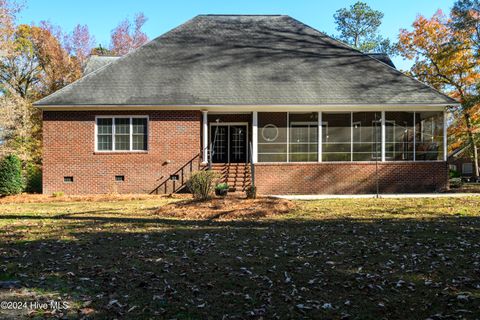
point(350, 259)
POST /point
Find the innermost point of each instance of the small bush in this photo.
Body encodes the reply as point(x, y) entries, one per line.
point(34, 179)
point(455, 182)
point(251, 192)
point(453, 174)
point(11, 180)
point(201, 184)
point(58, 194)
point(221, 186)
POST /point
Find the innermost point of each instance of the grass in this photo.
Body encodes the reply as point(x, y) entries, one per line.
point(356, 259)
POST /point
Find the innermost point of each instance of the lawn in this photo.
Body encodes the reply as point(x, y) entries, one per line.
point(351, 259)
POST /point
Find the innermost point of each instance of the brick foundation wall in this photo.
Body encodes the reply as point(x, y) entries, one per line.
point(350, 178)
point(68, 139)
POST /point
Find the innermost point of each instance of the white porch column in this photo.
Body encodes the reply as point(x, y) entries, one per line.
point(383, 136)
point(445, 141)
point(255, 136)
point(205, 136)
point(320, 137)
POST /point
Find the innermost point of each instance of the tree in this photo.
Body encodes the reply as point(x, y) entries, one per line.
point(11, 181)
point(358, 26)
point(128, 35)
point(79, 43)
point(101, 51)
point(8, 14)
point(466, 17)
point(58, 67)
point(33, 64)
point(444, 57)
point(38, 64)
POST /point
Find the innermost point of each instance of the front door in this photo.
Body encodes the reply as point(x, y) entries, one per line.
point(229, 143)
point(238, 143)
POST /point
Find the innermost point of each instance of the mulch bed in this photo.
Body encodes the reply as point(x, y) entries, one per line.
point(226, 209)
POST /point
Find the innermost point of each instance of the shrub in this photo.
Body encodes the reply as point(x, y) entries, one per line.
point(221, 186)
point(201, 184)
point(11, 180)
point(453, 174)
point(455, 182)
point(251, 192)
point(57, 194)
point(34, 179)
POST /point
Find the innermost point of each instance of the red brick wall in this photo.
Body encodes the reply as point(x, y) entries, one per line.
point(350, 178)
point(69, 150)
point(176, 136)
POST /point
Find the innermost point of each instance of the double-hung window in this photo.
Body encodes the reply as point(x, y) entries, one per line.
point(122, 133)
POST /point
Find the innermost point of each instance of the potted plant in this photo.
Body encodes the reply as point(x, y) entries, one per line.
point(221, 189)
point(251, 192)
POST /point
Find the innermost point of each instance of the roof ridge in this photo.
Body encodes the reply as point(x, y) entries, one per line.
point(240, 15)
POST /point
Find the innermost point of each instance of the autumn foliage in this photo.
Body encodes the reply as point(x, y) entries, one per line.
point(128, 35)
point(39, 59)
point(446, 58)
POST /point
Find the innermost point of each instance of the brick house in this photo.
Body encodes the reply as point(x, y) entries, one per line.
point(237, 93)
point(460, 161)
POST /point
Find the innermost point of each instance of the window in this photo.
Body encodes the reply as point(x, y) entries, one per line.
point(122, 133)
point(68, 179)
point(119, 178)
point(467, 168)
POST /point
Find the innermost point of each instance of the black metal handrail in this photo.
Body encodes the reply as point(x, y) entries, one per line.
point(182, 179)
point(252, 166)
point(181, 173)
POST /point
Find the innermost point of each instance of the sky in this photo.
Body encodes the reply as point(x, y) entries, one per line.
point(102, 16)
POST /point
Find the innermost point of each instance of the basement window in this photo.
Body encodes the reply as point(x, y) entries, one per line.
point(119, 178)
point(68, 179)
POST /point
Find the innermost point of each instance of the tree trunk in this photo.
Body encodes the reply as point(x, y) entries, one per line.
point(471, 141)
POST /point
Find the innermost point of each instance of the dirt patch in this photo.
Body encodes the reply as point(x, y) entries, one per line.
point(42, 198)
point(226, 209)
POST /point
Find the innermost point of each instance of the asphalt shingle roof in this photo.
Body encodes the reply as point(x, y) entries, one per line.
point(96, 62)
point(245, 60)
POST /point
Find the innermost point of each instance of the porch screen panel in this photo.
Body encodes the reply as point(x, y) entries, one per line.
point(399, 136)
point(429, 135)
point(303, 139)
point(272, 136)
point(366, 136)
point(336, 137)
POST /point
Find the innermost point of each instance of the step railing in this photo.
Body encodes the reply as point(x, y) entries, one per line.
point(179, 178)
point(252, 167)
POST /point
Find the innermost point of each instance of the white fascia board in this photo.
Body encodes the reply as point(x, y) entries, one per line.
point(260, 108)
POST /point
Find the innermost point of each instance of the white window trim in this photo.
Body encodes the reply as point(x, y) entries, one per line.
point(113, 117)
